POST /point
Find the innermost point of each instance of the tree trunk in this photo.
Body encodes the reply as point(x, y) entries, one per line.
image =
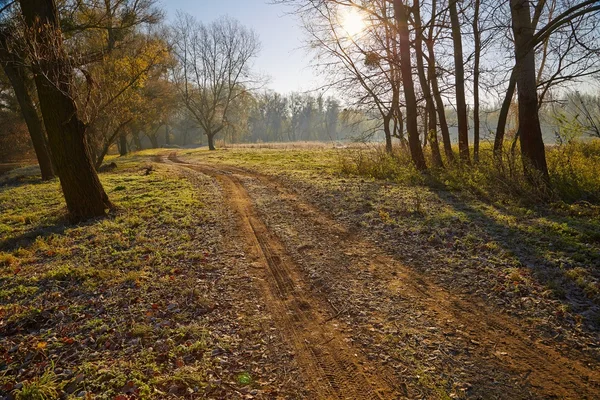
point(441, 113)
point(477, 59)
point(431, 126)
point(388, 133)
point(123, 144)
point(510, 91)
point(437, 96)
point(503, 116)
point(16, 74)
point(399, 127)
point(424, 119)
point(84, 194)
point(533, 151)
point(459, 82)
point(409, 91)
point(137, 141)
point(100, 157)
point(153, 141)
point(211, 141)
point(167, 136)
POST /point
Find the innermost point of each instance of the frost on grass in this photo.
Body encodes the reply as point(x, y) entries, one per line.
point(137, 305)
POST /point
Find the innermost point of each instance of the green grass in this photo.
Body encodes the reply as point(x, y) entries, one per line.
point(299, 160)
point(109, 289)
point(92, 295)
point(45, 387)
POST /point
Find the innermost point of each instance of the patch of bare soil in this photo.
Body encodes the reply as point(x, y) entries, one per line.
point(254, 362)
point(362, 324)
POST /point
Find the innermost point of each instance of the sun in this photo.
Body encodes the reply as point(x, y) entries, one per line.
point(352, 21)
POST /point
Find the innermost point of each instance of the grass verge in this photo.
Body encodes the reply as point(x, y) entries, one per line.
point(130, 306)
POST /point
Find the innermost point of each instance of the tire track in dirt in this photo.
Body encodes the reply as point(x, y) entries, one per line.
point(500, 339)
point(331, 368)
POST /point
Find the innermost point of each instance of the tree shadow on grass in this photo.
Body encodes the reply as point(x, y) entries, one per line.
point(27, 238)
point(561, 253)
point(20, 176)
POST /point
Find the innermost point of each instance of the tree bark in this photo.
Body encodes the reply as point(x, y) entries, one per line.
point(510, 92)
point(477, 59)
point(409, 91)
point(137, 141)
point(167, 136)
point(459, 82)
point(533, 151)
point(431, 126)
point(16, 74)
point(503, 116)
point(122, 144)
point(211, 141)
point(84, 194)
point(441, 111)
point(399, 127)
point(387, 119)
point(425, 125)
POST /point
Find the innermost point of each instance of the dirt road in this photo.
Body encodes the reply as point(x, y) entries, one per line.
point(363, 326)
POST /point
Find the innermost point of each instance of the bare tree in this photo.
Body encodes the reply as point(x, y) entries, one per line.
point(476, 76)
point(360, 63)
point(409, 91)
point(526, 40)
point(459, 82)
point(430, 41)
point(532, 144)
point(214, 68)
point(431, 127)
point(566, 48)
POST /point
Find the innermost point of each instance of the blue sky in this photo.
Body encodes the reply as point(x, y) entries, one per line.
point(282, 56)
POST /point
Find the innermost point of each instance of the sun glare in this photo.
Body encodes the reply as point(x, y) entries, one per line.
point(352, 22)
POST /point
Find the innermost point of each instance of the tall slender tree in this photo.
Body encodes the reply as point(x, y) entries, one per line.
point(416, 151)
point(14, 68)
point(433, 82)
point(476, 73)
point(459, 83)
point(431, 128)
